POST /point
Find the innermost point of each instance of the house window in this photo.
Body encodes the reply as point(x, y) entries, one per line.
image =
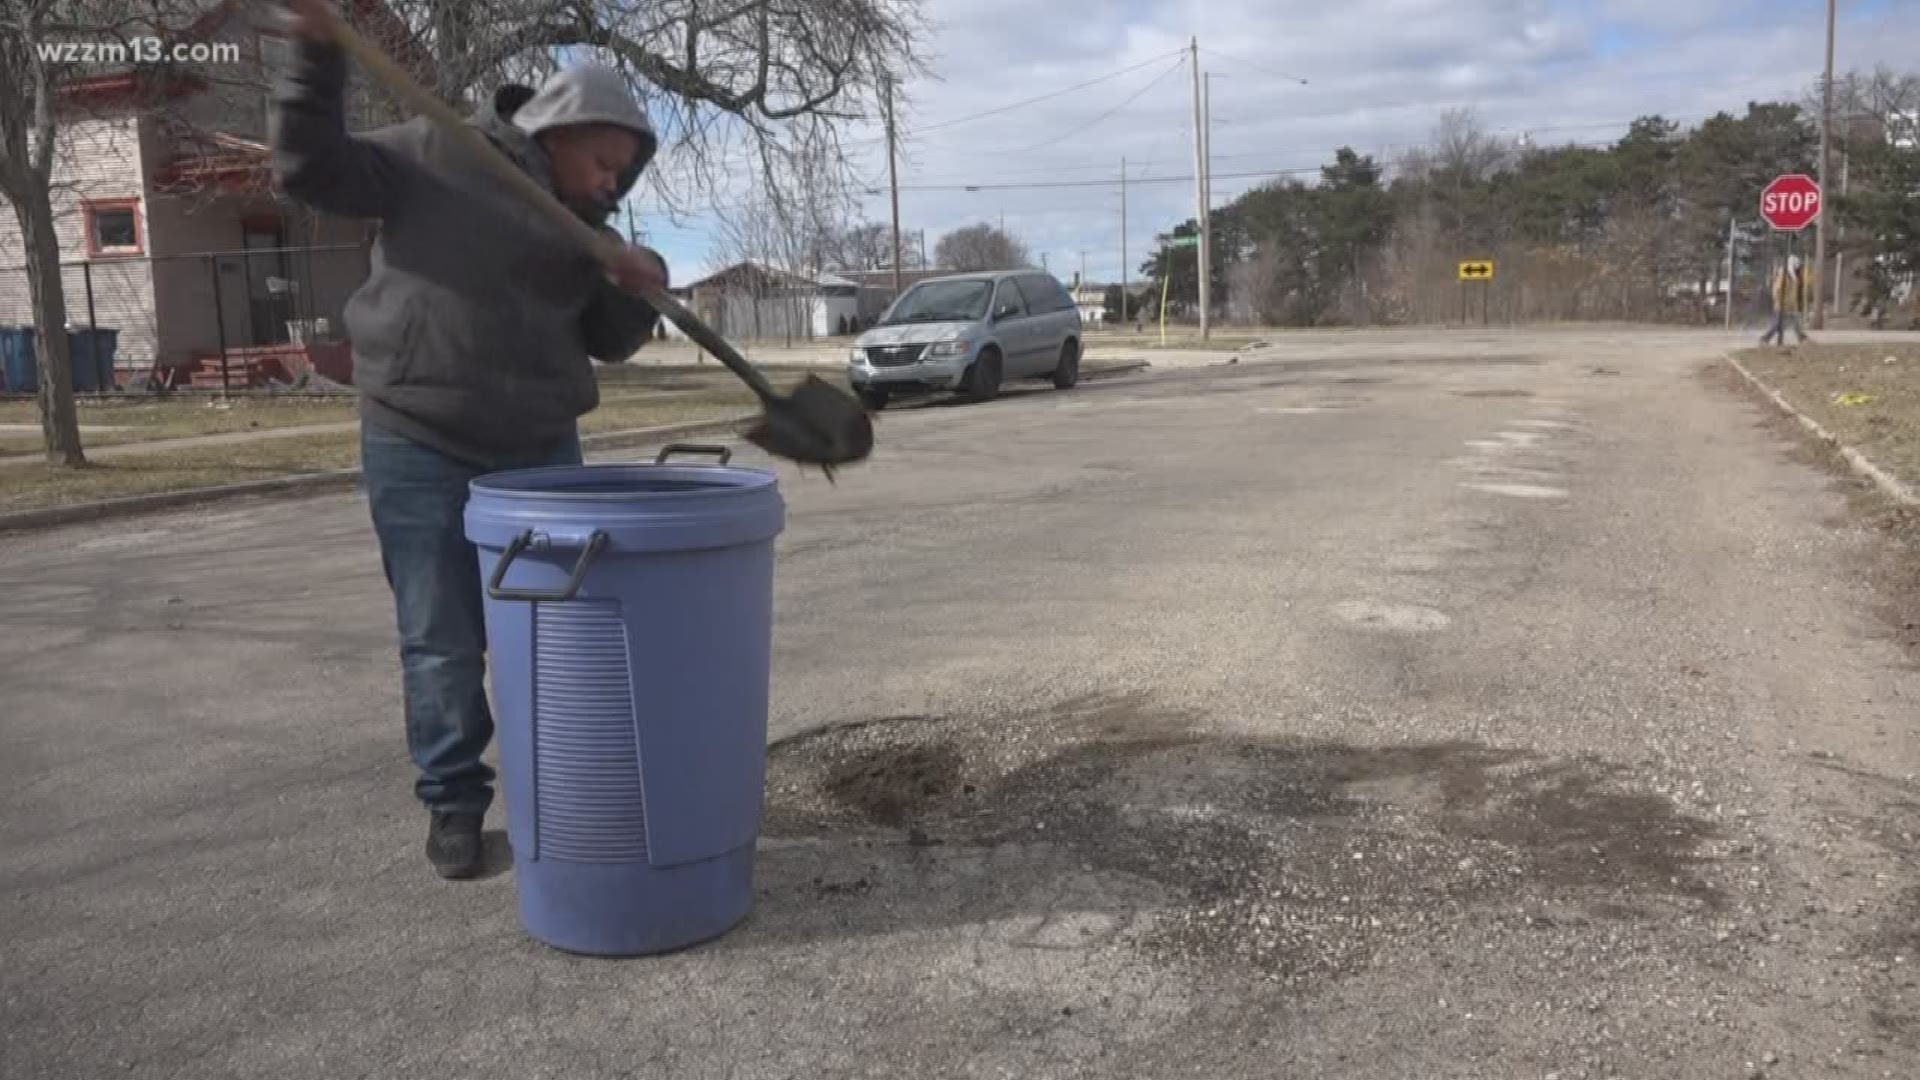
point(113, 227)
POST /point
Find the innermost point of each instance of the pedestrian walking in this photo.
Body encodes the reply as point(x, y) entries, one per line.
point(1792, 296)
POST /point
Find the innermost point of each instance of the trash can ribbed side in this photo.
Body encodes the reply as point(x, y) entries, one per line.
point(629, 619)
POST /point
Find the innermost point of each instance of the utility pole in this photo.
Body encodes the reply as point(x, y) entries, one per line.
point(1732, 227)
point(1206, 182)
point(1123, 241)
point(893, 183)
point(1840, 257)
point(1200, 191)
point(1082, 279)
point(1826, 152)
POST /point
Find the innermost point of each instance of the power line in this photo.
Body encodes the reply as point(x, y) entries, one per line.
point(1137, 94)
point(1257, 67)
point(1109, 76)
point(937, 185)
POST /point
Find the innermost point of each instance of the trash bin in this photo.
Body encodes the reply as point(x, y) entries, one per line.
point(89, 354)
point(629, 620)
point(90, 350)
point(17, 358)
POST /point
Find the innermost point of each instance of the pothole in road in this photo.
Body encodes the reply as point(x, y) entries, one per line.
point(1302, 860)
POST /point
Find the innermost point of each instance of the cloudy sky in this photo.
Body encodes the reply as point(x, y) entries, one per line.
point(1378, 74)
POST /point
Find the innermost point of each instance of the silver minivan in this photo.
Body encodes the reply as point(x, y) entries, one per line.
point(969, 333)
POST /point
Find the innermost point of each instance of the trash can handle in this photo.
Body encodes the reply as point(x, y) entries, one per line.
point(595, 545)
point(725, 454)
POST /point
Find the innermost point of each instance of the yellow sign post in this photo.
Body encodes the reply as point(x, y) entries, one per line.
point(1476, 272)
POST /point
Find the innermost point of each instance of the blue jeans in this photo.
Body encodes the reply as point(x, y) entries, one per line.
point(1781, 320)
point(418, 497)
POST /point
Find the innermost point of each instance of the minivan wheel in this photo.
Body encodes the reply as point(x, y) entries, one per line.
point(1068, 373)
point(983, 378)
point(874, 400)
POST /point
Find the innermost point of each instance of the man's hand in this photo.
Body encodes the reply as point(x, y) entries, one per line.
point(638, 268)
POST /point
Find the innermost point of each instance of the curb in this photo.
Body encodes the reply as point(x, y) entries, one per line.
point(1861, 464)
point(308, 484)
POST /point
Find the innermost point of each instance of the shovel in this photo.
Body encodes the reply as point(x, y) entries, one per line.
point(818, 424)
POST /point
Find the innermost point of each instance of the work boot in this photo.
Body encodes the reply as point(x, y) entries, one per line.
point(453, 843)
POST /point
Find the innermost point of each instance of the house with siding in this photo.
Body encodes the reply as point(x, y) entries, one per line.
point(170, 229)
point(755, 301)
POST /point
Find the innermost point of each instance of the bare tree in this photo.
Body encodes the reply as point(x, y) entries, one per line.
point(1870, 106)
point(756, 88)
point(786, 241)
point(863, 246)
point(33, 71)
point(980, 247)
point(1463, 148)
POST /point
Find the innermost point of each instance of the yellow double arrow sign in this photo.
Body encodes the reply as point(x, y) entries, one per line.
point(1477, 270)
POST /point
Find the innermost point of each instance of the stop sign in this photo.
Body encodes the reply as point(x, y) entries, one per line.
point(1791, 202)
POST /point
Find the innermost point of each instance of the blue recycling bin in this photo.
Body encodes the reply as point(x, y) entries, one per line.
point(17, 359)
point(90, 352)
point(629, 612)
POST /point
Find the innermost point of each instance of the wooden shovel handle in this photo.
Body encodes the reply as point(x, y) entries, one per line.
point(604, 248)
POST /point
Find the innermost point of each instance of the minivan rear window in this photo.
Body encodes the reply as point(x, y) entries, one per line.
point(1044, 294)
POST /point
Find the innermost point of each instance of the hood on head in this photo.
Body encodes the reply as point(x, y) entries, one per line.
point(585, 94)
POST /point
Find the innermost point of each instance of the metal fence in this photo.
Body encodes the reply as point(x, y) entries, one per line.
point(179, 314)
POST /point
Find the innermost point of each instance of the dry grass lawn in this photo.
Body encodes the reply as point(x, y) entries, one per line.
point(141, 419)
point(632, 396)
point(35, 486)
point(32, 487)
point(1868, 396)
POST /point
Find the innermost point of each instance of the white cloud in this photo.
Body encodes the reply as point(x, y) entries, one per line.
point(1380, 71)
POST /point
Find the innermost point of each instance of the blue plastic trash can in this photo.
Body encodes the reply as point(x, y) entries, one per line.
point(630, 622)
point(91, 351)
point(18, 358)
point(89, 355)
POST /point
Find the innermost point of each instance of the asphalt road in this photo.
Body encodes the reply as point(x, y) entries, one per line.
point(1420, 705)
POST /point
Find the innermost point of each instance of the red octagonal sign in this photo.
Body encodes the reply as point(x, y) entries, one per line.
point(1791, 202)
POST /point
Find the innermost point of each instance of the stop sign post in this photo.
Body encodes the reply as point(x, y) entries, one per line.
point(1791, 202)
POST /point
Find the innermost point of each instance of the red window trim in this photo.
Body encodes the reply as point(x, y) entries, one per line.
point(89, 207)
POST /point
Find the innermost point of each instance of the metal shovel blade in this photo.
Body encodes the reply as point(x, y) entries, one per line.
point(817, 424)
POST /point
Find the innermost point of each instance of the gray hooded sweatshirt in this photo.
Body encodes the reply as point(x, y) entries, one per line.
point(473, 330)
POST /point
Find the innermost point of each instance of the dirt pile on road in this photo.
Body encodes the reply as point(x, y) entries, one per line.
point(1300, 859)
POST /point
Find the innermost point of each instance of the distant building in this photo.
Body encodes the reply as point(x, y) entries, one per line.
point(753, 301)
point(170, 230)
point(876, 292)
point(1091, 299)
